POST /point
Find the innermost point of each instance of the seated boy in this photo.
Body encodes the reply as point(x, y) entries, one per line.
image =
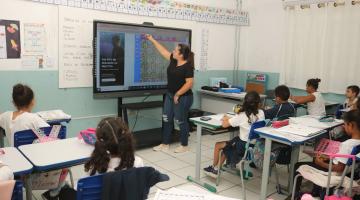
point(351, 94)
point(282, 108)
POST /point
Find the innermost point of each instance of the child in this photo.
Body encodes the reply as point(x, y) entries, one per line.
point(352, 129)
point(114, 148)
point(314, 100)
point(282, 108)
point(22, 118)
point(249, 114)
point(351, 94)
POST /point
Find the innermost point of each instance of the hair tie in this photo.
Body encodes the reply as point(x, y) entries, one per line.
point(112, 132)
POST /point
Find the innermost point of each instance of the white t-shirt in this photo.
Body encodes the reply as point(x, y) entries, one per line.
point(114, 162)
point(351, 105)
point(22, 122)
point(317, 107)
point(242, 121)
point(346, 148)
point(5, 172)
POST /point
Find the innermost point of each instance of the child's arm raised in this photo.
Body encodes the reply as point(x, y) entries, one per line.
point(303, 99)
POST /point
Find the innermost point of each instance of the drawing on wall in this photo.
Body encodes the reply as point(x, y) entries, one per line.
point(10, 46)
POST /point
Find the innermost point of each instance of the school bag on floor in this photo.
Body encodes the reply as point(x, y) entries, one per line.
point(257, 154)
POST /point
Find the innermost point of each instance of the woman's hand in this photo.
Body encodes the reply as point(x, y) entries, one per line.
point(176, 99)
point(149, 37)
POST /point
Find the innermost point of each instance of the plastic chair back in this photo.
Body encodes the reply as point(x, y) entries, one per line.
point(28, 136)
point(89, 188)
point(256, 125)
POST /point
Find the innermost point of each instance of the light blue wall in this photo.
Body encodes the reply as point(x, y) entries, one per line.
point(87, 112)
point(79, 103)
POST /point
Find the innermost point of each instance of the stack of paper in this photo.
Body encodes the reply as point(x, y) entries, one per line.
point(53, 115)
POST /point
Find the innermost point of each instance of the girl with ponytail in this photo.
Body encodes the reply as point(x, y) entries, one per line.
point(179, 98)
point(114, 148)
point(234, 149)
point(23, 99)
point(314, 100)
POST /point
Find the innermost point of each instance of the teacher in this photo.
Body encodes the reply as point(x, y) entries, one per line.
point(179, 97)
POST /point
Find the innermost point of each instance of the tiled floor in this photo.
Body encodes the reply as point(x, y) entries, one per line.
point(179, 166)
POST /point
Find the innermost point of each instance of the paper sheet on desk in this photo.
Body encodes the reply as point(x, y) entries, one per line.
point(313, 122)
point(289, 136)
point(299, 129)
point(185, 195)
point(219, 117)
point(176, 195)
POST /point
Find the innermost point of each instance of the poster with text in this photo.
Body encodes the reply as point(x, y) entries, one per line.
point(10, 46)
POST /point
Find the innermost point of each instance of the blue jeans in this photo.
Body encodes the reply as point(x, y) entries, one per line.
point(179, 112)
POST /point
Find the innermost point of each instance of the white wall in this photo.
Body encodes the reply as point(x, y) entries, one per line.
point(261, 43)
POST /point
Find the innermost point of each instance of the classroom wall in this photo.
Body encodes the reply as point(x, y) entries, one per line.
point(261, 43)
point(78, 102)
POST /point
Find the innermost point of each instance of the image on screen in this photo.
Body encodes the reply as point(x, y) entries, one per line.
point(124, 60)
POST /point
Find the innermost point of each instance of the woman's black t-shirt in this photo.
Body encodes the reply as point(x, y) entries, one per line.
point(176, 75)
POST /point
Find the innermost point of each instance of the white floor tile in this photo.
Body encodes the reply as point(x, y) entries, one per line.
point(191, 158)
point(237, 192)
point(223, 184)
point(188, 171)
point(235, 179)
point(254, 185)
point(278, 196)
point(172, 164)
point(155, 156)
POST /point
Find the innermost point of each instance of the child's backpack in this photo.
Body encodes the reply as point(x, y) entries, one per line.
point(51, 179)
point(257, 154)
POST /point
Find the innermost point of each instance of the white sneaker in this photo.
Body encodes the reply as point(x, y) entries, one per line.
point(161, 147)
point(181, 149)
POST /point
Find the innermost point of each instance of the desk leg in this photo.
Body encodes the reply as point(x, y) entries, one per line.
point(28, 187)
point(294, 159)
point(266, 169)
point(198, 163)
point(198, 153)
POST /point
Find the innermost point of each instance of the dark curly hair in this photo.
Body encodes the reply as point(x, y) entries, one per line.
point(314, 83)
point(113, 140)
point(251, 104)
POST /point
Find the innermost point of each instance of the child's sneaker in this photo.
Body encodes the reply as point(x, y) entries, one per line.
point(161, 147)
point(211, 169)
point(181, 149)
